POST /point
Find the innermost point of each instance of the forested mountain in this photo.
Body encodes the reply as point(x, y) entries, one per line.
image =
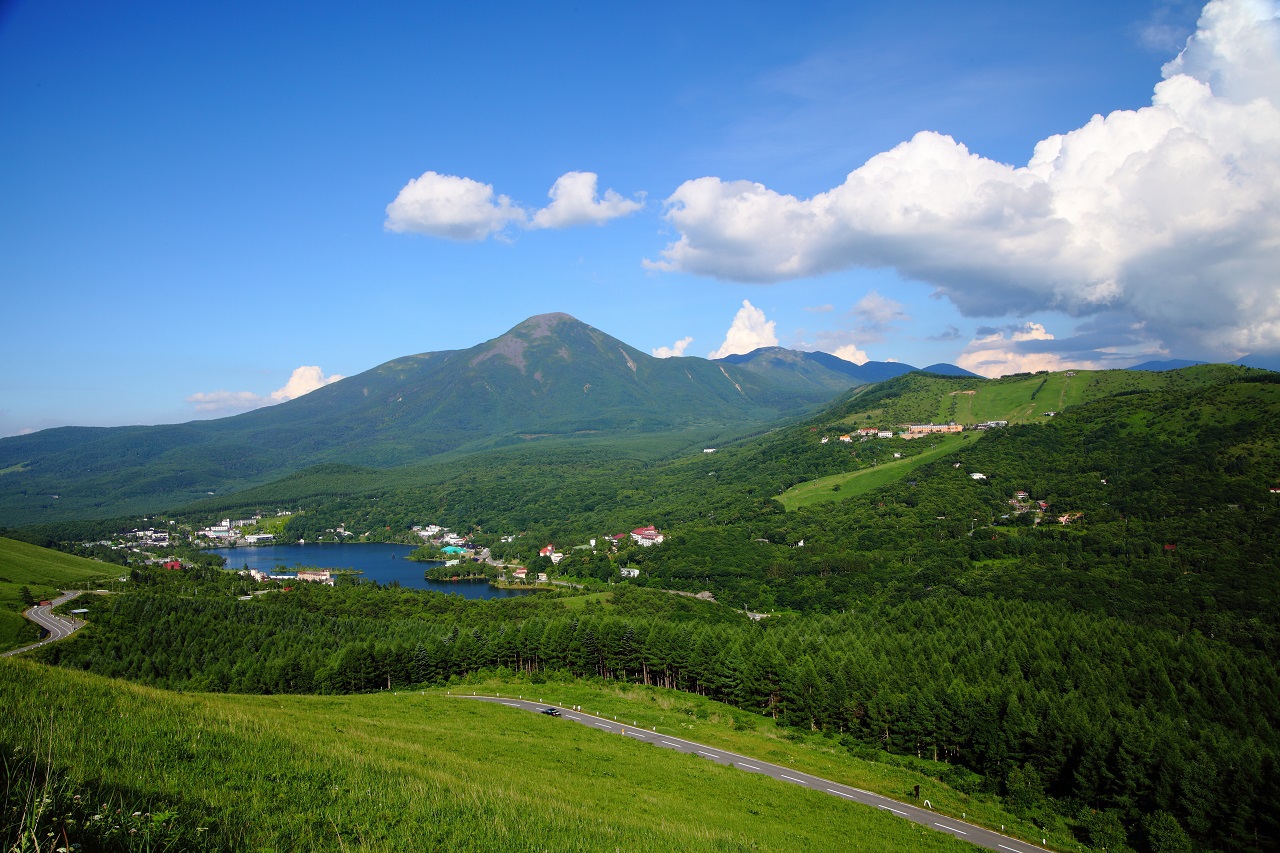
point(550, 378)
point(576, 490)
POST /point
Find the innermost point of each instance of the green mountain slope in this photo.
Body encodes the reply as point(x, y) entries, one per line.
point(550, 378)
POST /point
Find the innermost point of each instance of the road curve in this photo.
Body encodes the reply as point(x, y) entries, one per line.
point(925, 817)
point(59, 627)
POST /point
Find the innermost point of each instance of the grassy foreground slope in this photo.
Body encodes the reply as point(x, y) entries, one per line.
point(399, 771)
point(43, 572)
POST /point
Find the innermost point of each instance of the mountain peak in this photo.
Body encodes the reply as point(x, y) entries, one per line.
point(512, 346)
point(541, 325)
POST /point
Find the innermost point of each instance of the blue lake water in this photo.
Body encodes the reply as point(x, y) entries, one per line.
point(378, 561)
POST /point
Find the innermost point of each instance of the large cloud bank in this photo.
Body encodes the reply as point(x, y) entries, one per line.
point(458, 208)
point(1169, 213)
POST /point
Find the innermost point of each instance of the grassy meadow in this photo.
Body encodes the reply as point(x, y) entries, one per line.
point(44, 573)
point(848, 484)
point(718, 725)
point(399, 771)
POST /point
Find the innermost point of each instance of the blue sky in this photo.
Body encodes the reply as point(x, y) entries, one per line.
point(208, 209)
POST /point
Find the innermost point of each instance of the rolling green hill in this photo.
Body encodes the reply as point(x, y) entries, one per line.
point(395, 771)
point(859, 482)
point(1020, 398)
point(43, 573)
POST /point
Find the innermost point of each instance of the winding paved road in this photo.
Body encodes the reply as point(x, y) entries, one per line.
point(923, 816)
point(59, 627)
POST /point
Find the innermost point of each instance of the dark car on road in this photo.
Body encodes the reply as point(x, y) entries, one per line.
point(551, 712)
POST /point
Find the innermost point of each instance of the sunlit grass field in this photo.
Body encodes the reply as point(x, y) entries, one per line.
point(849, 484)
point(409, 770)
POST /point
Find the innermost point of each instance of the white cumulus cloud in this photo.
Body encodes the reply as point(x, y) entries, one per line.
point(303, 380)
point(750, 331)
point(574, 202)
point(458, 208)
point(451, 207)
point(998, 355)
point(850, 352)
point(675, 350)
point(1170, 213)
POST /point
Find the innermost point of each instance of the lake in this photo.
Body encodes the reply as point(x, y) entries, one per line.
point(378, 561)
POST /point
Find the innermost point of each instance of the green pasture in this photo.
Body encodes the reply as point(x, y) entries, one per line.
point(840, 486)
point(578, 602)
point(1022, 398)
point(396, 771)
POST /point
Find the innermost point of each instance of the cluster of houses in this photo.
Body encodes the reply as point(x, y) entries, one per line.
point(150, 537)
point(1022, 502)
point(323, 576)
point(642, 536)
point(453, 546)
point(230, 531)
point(910, 431)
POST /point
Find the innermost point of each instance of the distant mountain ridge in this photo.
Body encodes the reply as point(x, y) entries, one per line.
point(1262, 362)
point(762, 359)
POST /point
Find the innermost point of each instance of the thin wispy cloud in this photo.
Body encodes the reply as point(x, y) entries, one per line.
point(877, 315)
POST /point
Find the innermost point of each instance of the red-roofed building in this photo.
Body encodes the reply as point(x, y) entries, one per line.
point(647, 536)
point(173, 564)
